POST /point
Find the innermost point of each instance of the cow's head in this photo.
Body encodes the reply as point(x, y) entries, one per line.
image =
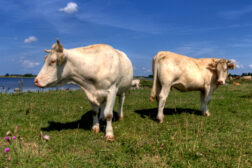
point(221, 67)
point(53, 71)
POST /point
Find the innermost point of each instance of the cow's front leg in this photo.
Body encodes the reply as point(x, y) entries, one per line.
point(121, 102)
point(205, 98)
point(108, 112)
point(96, 125)
point(202, 98)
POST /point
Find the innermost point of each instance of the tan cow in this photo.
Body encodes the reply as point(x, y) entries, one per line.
point(236, 83)
point(246, 77)
point(230, 78)
point(171, 70)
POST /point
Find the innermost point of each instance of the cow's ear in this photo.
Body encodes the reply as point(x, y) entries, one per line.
point(212, 66)
point(231, 65)
point(47, 51)
point(60, 47)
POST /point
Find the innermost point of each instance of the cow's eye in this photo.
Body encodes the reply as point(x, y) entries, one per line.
point(52, 62)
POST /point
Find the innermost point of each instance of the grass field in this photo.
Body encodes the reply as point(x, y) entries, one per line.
point(185, 139)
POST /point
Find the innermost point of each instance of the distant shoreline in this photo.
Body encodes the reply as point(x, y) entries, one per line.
point(17, 76)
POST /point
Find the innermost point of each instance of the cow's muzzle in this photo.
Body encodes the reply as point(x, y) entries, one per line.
point(220, 82)
point(36, 83)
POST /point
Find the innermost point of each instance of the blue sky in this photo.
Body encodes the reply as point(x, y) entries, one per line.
point(196, 28)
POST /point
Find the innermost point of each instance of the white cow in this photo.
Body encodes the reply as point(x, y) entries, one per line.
point(172, 70)
point(135, 83)
point(101, 71)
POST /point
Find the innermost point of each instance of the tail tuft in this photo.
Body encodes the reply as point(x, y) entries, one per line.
point(155, 80)
point(152, 99)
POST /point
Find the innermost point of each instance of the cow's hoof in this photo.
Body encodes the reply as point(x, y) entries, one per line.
point(207, 114)
point(121, 118)
point(96, 129)
point(160, 121)
point(110, 138)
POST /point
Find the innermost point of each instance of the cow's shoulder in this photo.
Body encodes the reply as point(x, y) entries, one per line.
point(206, 61)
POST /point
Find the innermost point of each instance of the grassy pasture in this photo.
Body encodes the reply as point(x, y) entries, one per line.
point(185, 139)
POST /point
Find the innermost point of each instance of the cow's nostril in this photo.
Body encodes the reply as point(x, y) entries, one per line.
point(220, 82)
point(36, 82)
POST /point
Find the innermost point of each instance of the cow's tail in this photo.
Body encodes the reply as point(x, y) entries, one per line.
point(155, 80)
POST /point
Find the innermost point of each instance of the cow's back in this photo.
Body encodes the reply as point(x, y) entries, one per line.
point(98, 63)
point(104, 66)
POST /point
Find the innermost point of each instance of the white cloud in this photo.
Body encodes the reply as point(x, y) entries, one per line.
point(70, 8)
point(233, 60)
point(250, 66)
point(30, 64)
point(146, 70)
point(236, 14)
point(30, 39)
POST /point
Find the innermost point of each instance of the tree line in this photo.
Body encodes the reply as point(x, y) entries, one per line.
point(233, 75)
point(149, 76)
point(19, 75)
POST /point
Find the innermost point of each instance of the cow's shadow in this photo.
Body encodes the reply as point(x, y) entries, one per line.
point(85, 122)
point(152, 113)
point(249, 96)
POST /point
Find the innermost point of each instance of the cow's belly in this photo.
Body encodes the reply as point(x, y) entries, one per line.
point(123, 89)
point(124, 84)
point(184, 87)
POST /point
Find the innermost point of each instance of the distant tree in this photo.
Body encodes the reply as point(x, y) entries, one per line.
point(244, 74)
point(7, 74)
point(150, 76)
point(29, 75)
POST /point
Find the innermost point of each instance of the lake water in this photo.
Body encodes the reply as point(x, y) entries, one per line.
point(11, 83)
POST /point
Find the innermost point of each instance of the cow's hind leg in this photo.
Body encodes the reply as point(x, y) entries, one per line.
point(96, 125)
point(108, 112)
point(121, 102)
point(161, 101)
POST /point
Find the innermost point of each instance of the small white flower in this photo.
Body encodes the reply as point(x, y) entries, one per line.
point(8, 133)
point(46, 137)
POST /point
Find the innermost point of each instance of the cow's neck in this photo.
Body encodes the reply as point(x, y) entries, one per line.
point(74, 64)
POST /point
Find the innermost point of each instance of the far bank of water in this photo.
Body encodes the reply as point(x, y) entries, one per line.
point(9, 84)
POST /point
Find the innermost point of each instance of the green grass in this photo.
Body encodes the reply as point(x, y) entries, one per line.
point(185, 139)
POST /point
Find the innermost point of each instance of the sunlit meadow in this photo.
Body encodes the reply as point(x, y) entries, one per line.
point(52, 129)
